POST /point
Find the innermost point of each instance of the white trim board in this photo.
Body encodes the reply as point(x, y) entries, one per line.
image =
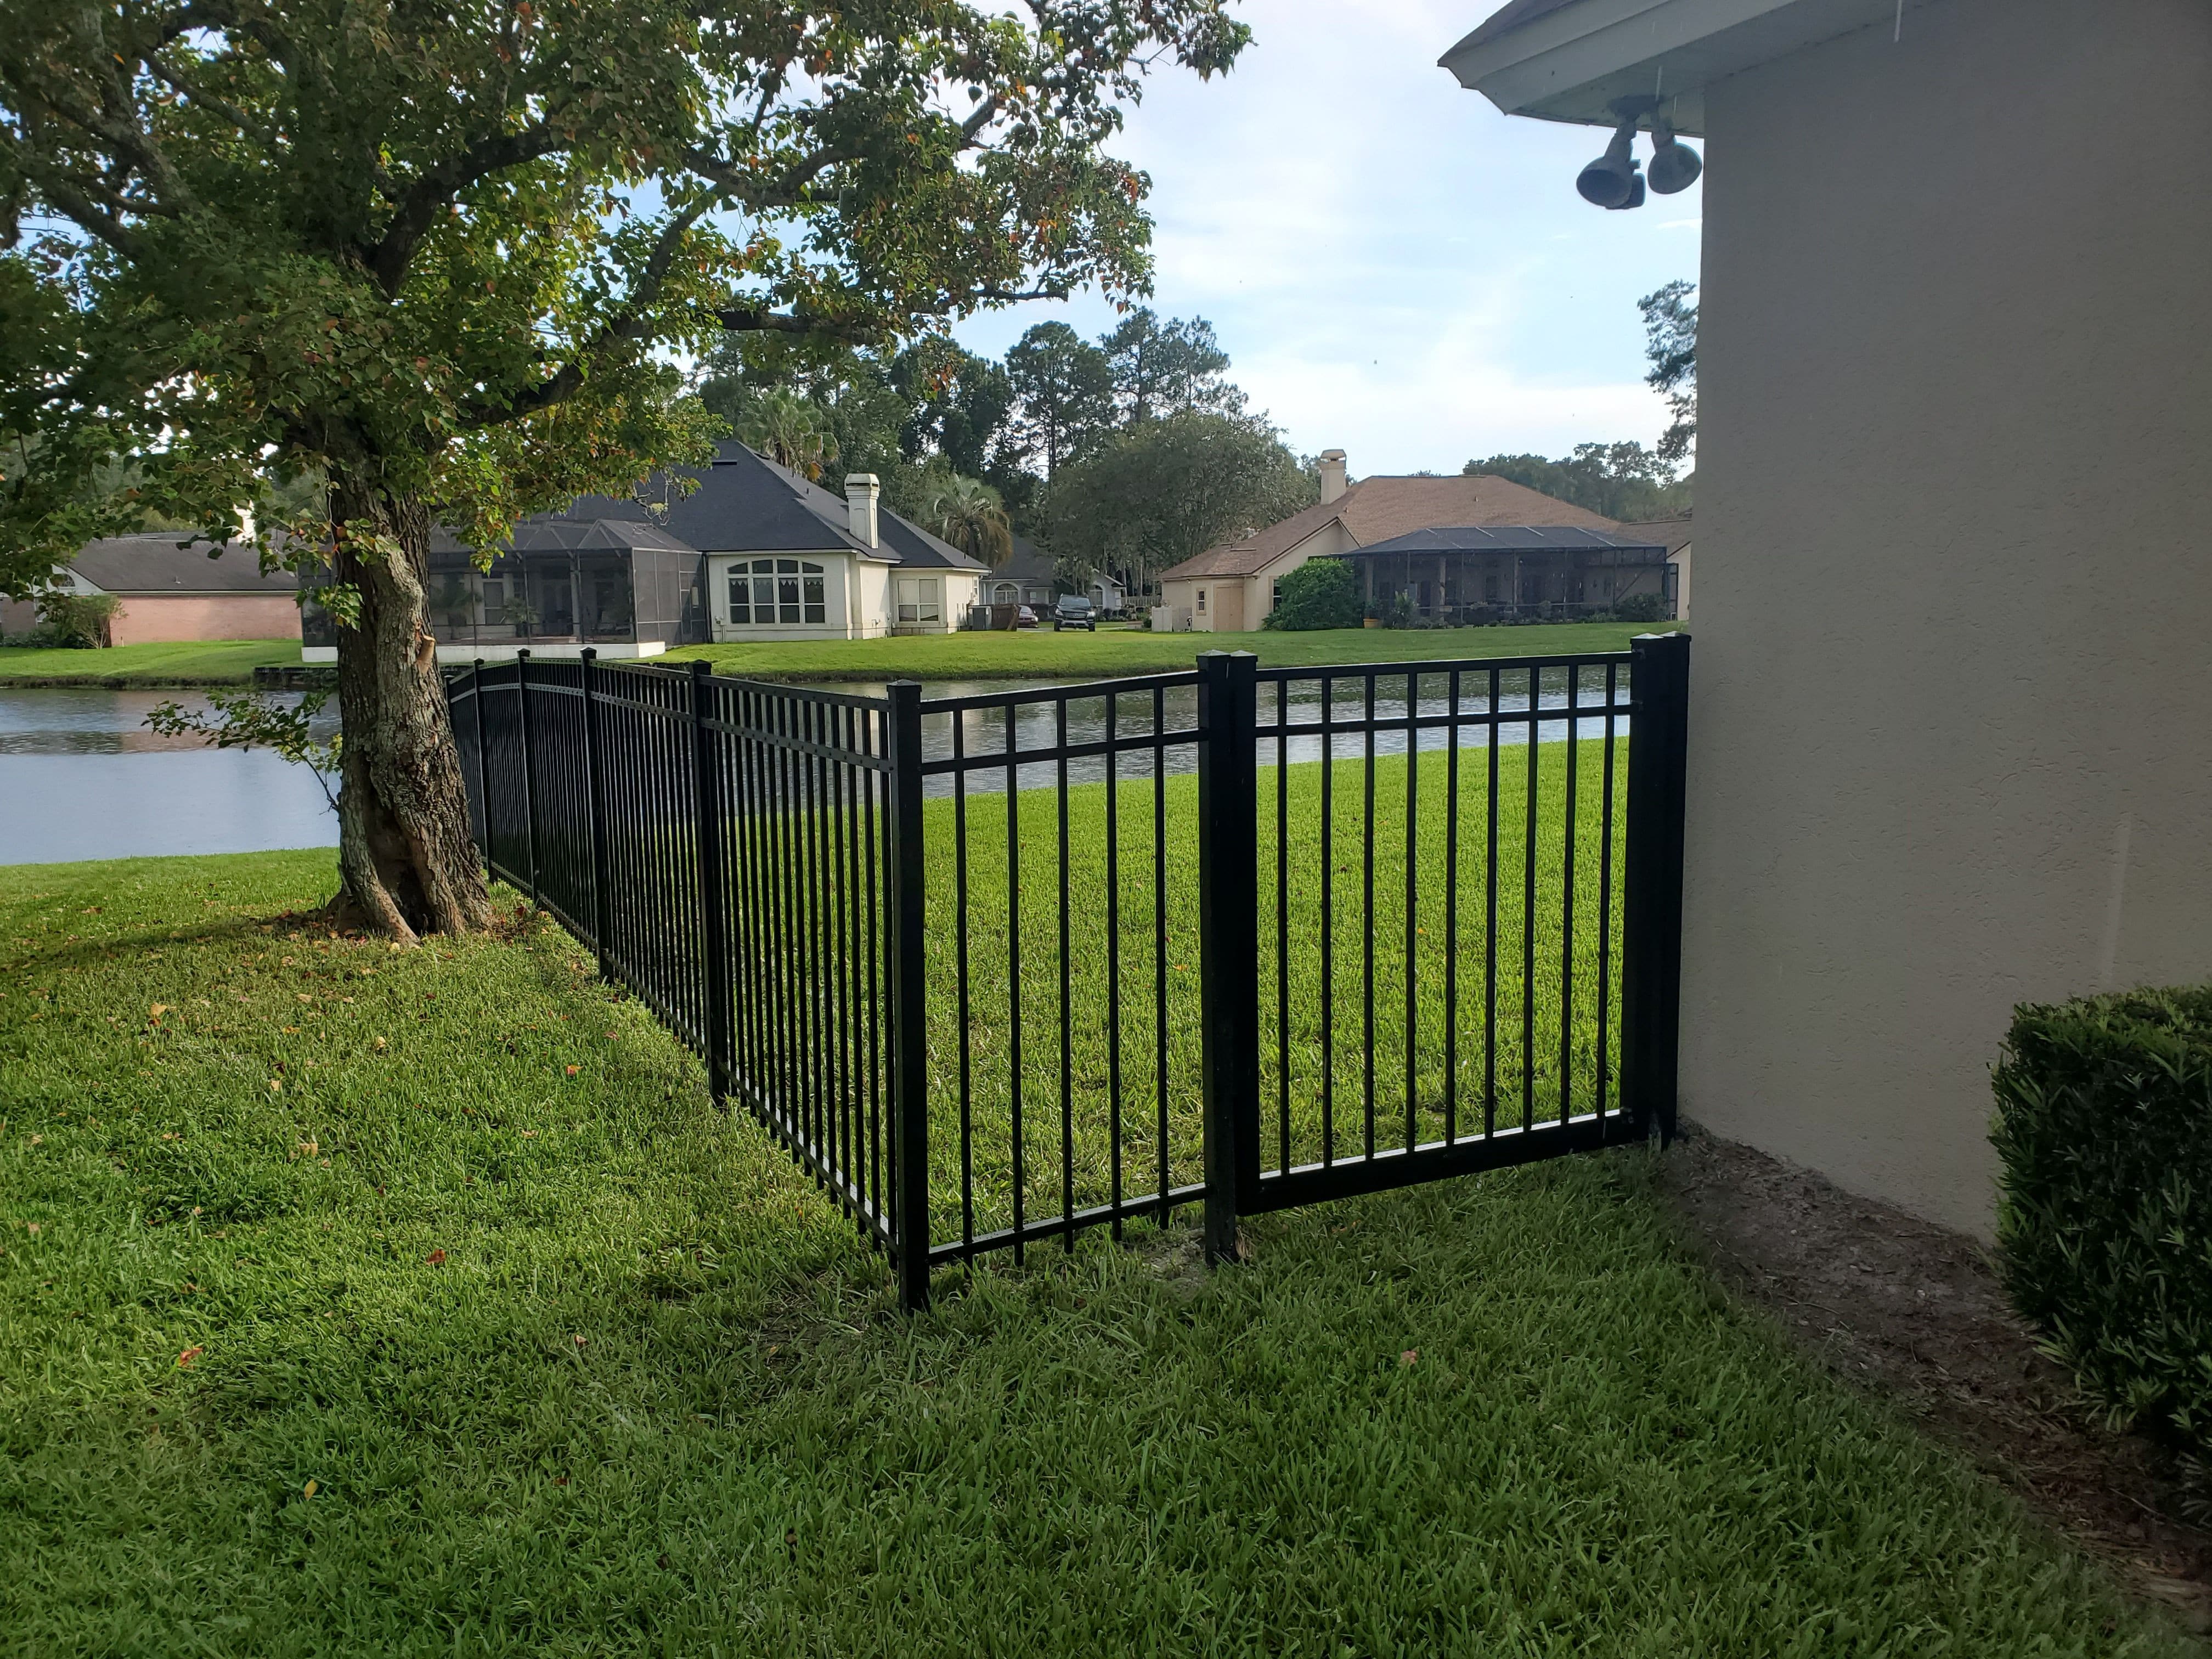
point(1568, 65)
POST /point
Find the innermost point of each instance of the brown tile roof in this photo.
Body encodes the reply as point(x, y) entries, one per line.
point(1673, 532)
point(1374, 509)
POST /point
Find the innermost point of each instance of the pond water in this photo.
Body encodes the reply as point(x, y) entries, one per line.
point(81, 777)
point(982, 731)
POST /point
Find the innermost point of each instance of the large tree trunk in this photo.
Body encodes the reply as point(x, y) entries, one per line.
point(405, 852)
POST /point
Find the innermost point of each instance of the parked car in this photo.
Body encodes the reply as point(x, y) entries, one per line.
point(1026, 618)
point(1074, 610)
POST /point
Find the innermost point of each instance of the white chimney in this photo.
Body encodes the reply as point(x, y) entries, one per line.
point(860, 492)
point(1332, 474)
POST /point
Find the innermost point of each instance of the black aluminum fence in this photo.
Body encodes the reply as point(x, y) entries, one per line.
point(1000, 968)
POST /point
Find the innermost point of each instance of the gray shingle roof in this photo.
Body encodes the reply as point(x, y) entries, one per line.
point(546, 535)
point(172, 562)
point(745, 503)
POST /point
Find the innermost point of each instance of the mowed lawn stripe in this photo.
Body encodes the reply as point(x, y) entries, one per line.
point(442, 1345)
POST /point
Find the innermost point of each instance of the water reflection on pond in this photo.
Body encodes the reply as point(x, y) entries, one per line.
point(1037, 724)
point(81, 777)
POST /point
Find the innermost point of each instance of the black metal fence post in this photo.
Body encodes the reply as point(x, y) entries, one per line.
point(529, 772)
point(596, 806)
point(484, 763)
point(909, 1055)
point(1651, 902)
point(714, 982)
point(1228, 940)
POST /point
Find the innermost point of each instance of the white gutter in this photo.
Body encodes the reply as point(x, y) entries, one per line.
point(1568, 65)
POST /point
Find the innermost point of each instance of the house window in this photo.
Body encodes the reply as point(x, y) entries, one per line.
point(772, 590)
point(919, 599)
point(1005, 594)
point(1201, 601)
point(1275, 592)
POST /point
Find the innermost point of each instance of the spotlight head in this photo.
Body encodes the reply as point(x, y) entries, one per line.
point(1635, 195)
point(1675, 164)
point(1612, 179)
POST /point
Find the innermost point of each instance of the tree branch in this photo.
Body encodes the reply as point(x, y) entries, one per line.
point(628, 323)
point(730, 180)
point(755, 319)
point(437, 185)
point(83, 210)
point(222, 107)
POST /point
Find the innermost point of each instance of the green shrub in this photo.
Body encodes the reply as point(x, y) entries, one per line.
point(2104, 1130)
point(1319, 593)
point(1640, 607)
point(84, 621)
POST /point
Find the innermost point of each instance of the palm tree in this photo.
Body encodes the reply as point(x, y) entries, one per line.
point(789, 430)
point(969, 513)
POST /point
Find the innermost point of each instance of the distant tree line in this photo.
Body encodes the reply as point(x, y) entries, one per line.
point(1124, 455)
point(1625, 480)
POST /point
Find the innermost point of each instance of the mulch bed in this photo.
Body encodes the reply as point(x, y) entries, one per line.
point(1914, 1314)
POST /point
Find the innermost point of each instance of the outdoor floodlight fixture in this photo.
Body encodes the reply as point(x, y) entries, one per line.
point(1612, 180)
point(1675, 164)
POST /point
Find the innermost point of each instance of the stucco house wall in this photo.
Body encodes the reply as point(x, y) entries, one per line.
point(1953, 301)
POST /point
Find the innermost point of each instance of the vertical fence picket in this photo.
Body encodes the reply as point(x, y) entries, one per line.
point(529, 768)
point(713, 979)
point(484, 761)
point(595, 795)
point(1229, 940)
point(1651, 907)
point(909, 1010)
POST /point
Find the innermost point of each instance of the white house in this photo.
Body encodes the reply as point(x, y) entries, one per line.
point(786, 560)
point(752, 551)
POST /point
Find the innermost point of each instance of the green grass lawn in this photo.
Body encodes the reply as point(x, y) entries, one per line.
point(1338, 1062)
point(187, 662)
point(356, 1301)
point(1040, 654)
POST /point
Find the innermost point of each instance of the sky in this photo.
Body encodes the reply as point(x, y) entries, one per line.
point(1396, 269)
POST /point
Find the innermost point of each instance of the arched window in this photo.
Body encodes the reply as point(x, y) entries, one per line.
point(1004, 593)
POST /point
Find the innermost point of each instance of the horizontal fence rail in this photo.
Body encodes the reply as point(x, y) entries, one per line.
point(999, 969)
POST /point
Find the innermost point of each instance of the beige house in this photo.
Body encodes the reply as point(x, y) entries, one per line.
point(1232, 588)
point(1954, 342)
point(1675, 535)
point(171, 586)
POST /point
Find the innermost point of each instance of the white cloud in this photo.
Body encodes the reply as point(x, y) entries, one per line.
point(1396, 269)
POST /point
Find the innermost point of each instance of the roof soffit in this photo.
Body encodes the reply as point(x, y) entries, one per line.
point(1571, 62)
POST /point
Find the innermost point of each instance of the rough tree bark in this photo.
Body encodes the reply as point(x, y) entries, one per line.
point(405, 856)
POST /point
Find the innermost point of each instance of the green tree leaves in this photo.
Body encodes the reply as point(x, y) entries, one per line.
point(1165, 489)
point(1622, 480)
point(1670, 342)
point(439, 251)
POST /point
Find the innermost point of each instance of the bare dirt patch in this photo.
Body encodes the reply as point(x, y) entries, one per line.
point(1913, 1313)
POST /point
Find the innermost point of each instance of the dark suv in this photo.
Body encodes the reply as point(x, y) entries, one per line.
point(1074, 610)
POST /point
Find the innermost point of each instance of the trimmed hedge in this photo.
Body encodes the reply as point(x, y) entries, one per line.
point(1319, 593)
point(2104, 1127)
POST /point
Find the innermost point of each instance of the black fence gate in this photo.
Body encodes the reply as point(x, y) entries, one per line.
point(999, 969)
